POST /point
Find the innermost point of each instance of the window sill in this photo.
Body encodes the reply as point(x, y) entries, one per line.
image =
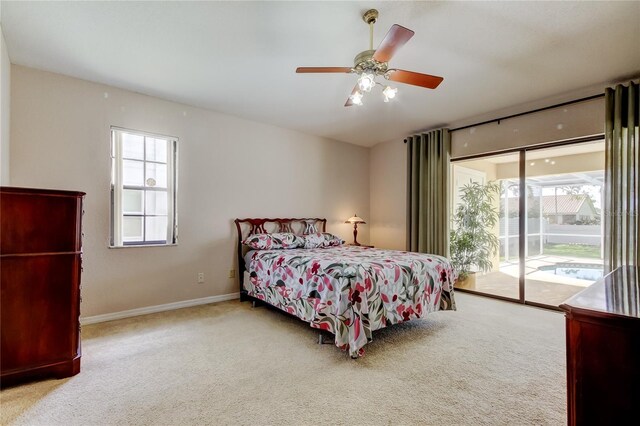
point(142, 245)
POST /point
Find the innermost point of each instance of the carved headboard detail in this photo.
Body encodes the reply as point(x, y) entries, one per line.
point(246, 227)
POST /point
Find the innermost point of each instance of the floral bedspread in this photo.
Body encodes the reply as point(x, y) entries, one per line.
point(351, 291)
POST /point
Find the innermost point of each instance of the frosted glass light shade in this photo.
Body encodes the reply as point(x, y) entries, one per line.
point(366, 82)
point(389, 93)
point(356, 98)
point(355, 219)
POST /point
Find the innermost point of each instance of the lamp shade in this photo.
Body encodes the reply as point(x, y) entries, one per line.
point(355, 219)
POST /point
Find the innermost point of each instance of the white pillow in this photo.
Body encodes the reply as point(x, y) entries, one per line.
point(321, 240)
point(278, 240)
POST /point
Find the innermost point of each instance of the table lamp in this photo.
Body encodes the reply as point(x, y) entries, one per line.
point(355, 220)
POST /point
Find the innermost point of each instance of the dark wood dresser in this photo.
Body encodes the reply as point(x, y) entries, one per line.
point(40, 265)
point(603, 350)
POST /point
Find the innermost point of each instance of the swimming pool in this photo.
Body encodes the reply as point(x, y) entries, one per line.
point(582, 271)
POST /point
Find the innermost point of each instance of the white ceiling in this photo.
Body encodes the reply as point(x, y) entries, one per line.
point(239, 57)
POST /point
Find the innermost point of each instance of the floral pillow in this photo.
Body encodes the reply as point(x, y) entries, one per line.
point(322, 239)
point(278, 240)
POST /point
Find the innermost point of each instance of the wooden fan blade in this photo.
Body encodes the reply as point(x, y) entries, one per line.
point(415, 78)
point(394, 40)
point(349, 101)
point(323, 69)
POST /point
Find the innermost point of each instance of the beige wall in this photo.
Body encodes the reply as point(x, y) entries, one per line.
point(5, 108)
point(389, 195)
point(228, 168)
point(568, 122)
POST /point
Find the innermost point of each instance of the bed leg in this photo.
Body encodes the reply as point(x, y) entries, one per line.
point(253, 303)
point(321, 340)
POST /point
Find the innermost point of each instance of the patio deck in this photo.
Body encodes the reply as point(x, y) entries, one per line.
point(540, 286)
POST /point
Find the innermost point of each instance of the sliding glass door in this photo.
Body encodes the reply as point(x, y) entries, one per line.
point(564, 223)
point(548, 227)
point(488, 255)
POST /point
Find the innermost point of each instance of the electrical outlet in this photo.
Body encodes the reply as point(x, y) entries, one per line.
point(232, 273)
point(200, 277)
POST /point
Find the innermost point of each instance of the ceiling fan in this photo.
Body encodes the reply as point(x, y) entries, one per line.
point(371, 63)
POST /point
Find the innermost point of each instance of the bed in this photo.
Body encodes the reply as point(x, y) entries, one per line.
point(348, 291)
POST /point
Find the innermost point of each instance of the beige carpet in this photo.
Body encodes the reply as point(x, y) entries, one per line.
point(491, 362)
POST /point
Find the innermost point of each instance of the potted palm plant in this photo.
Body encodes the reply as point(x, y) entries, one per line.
point(473, 239)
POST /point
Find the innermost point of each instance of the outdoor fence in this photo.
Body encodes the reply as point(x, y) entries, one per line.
point(539, 236)
point(573, 234)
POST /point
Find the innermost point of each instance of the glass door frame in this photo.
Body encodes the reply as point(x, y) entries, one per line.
point(522, 213)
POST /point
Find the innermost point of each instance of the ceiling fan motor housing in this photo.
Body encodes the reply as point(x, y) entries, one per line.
point(364, 62)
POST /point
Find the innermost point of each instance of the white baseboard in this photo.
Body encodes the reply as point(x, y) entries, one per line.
point(157, 308)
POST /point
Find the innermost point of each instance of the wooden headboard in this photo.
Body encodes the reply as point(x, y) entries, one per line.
point(248, 227)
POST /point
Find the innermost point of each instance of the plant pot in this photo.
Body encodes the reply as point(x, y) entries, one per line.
point(469, 282)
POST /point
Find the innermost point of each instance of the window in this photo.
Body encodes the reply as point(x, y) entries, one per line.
point(143, 189)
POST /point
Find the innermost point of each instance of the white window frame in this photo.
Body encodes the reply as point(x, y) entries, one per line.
point(117, 187)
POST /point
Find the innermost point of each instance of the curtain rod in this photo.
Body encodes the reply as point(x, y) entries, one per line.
point(575, 101)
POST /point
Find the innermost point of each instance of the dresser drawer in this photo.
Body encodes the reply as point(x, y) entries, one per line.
point(39, 223)
point(39, 309)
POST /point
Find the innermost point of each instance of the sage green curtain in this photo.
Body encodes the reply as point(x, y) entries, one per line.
point(622, 160)
point(428, 156)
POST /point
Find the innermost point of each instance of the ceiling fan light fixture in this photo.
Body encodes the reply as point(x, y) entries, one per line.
point(389, 93)
point(366, 82)
point(356, 98)
point(375, 62)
